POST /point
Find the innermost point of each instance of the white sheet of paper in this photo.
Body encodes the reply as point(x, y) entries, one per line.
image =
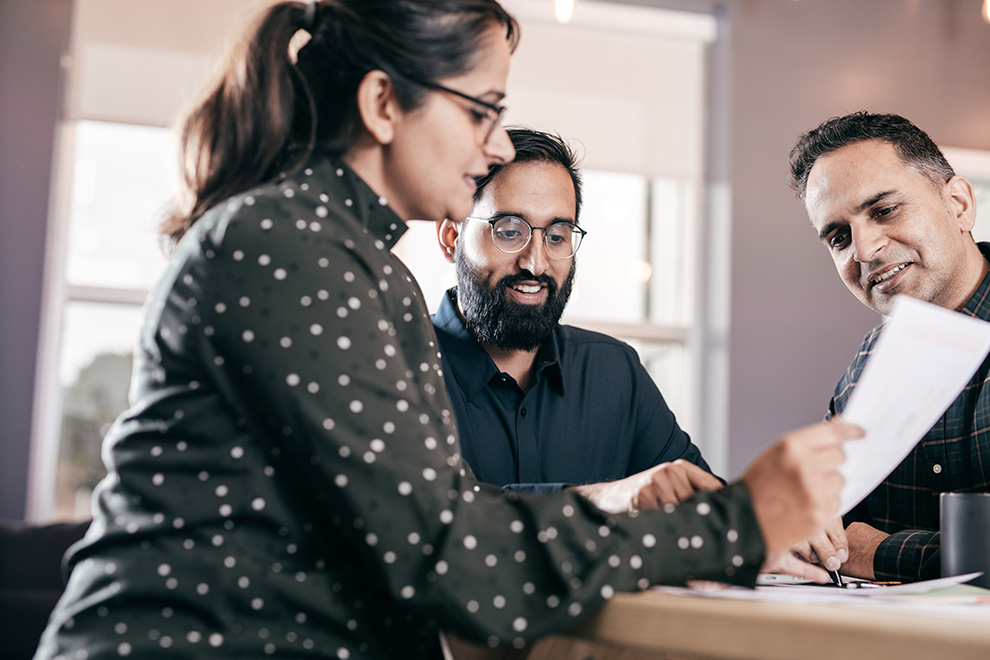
point(924, 358)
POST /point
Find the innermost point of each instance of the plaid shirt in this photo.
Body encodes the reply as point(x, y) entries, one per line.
point(953, 456)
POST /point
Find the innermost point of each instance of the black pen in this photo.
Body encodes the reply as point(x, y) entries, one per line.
point(837, 579)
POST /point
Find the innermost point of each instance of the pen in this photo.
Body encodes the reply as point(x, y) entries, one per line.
point(837, 579)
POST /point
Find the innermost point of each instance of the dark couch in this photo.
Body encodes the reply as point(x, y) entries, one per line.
point(30, 581)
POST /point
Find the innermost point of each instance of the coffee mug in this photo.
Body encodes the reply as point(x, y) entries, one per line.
point(966, 535)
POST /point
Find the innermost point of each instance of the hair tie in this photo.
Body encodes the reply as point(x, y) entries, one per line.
point(309, 17)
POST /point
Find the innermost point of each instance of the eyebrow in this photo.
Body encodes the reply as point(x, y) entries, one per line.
point(865, 204)
point(508, 214)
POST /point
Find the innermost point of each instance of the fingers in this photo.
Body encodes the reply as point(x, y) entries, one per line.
point(699, 478)
point(796, 486)
point(786, 562)
point(672, 483)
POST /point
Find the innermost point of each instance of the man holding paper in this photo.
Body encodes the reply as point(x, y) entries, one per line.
point(896, 219)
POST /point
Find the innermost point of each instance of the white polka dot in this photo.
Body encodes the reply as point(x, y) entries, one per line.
point(737, 560)
point(377, 445)
point(267, 224)
point(280, 274)
point(429, 474)
point(343, 343)
point(238, 255)
point(697, 541)
point(247, 336)
point(636, 562)
point(258, 503)
point(316, 330)
point(498, 602)
point(292, 380)
point(405, 488)
point(446, 517)
point(473, 606)
point(340, 480)
point(683, 543)
point(649, 540)
point(732, 536)
point(356, 406)
point(470, 542)
point(285, 342)
point(704, 508)
point(124, 649)
point(516, 526)
point(264, 260)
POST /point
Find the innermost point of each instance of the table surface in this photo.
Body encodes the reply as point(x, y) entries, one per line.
point(675, 626)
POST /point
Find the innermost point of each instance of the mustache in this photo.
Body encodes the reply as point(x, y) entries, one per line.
point(526, 276)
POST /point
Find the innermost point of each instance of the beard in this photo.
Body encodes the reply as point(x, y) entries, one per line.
point(495, 320)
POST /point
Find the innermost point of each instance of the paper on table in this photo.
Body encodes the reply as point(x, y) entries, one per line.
point(924, 357)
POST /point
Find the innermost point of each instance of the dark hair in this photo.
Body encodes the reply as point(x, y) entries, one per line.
point(912, 144)
point(537, 147)
point(264, 105)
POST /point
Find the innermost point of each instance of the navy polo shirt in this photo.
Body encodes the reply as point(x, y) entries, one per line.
point(592, 414)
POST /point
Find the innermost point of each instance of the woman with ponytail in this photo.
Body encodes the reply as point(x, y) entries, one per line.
point(287, 482)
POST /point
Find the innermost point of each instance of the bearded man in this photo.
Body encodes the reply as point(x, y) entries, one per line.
point(542, 406)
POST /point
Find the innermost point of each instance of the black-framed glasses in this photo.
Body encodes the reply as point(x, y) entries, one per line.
point(511, 234)
point(494, 112)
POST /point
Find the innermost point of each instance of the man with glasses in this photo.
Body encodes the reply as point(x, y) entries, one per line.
point(540, 405)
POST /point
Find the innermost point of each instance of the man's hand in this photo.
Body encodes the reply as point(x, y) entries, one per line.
point(795, 484)
point(667, 483)
point(863, 543)
point(785, 561)
point(830, 547)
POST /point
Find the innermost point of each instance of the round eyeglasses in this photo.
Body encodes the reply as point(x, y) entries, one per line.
point(511, 234)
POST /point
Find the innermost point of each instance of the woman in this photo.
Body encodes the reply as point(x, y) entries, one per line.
point(287, 481)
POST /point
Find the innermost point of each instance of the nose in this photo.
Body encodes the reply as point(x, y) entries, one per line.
point(867, 242)
point(534, 257)
point(498, 147)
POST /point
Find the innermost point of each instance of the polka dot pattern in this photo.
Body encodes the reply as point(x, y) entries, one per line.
point(296, 445)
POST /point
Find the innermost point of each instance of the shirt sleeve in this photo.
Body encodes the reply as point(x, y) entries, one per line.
point(908, 556)
point(334, 353)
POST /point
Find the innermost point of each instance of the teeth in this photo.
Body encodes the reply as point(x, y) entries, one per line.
point(889, 274)
point(526, 288)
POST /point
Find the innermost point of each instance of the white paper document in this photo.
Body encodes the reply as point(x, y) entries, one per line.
point(923, 359)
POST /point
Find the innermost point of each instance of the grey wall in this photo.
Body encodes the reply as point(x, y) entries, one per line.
point(33, 36)
point(794, 326)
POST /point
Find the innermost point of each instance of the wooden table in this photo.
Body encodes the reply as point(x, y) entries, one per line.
point(650, 625)
point(684, 627)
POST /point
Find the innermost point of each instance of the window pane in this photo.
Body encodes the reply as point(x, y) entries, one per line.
point(612, 271)
point(94, 375)
point(123, 177)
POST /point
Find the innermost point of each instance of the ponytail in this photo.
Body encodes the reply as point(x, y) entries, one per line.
point(238, 135)
point(274, 96)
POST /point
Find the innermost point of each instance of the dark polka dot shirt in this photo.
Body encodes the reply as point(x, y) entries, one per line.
point(288, 481)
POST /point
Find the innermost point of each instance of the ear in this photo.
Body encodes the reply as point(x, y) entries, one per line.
point(961, 202)
point(447, 234)
point(377, 106)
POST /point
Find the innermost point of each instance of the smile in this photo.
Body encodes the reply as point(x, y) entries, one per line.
point(527, 288)
point(887, 275)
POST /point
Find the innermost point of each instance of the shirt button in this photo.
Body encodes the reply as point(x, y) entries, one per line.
point(937, 469)
point(523, 413)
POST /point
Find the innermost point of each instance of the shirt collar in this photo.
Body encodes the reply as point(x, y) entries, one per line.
point(466, 355)
point(979, 304)
point(370, 209)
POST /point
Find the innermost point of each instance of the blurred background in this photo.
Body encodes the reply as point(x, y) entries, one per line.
point(684, 112)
